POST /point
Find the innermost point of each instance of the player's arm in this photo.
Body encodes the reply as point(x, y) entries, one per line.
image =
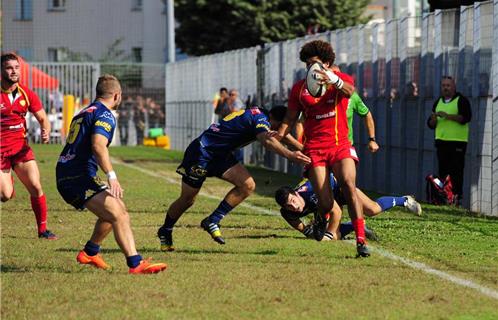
point(297, 224)
point(335, 221)
point(331, 79)
point(99, 149)
point(41, 117)
point(274, 145)
point(292, 142)
point(290, 119)
point(370, 125)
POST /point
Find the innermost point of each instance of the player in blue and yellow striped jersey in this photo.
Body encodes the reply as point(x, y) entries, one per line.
point(211, 155)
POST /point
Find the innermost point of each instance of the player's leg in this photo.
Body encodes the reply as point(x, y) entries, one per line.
point(345, 172)
point(6, 185)
point(333, 232)
point(29, 174)
point(244, 186)
point(175, 211)
point(320, 180)
point(112, 211)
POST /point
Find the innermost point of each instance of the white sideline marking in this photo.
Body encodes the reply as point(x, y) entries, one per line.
point(413, 264)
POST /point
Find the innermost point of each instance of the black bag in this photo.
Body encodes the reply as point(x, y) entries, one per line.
point(439, 192)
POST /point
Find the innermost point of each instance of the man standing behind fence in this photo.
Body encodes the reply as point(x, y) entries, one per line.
point(451, 114)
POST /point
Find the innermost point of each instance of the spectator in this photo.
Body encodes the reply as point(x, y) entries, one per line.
point(234, 104)
point(411, 89)
point(451, 114)
point(219, 102)
point(124, 116)
point(139, 115)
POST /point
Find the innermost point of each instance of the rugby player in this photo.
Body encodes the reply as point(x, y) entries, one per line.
point(86, 149)
point(15, 152)
point(301, 201)
point(211, 155)
point(327, 143)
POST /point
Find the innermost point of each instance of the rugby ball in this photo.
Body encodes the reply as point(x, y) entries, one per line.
point(313, 80)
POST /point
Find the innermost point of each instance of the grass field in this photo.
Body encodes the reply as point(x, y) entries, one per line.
point(265, 270)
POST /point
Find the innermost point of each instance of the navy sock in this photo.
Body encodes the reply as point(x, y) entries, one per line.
point(223, 209)
point(91, 248)
point(387, 203)
point(346, 228)
point(133, 261)
point(169, 223)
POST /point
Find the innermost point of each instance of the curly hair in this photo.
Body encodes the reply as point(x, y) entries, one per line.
point(317, 48)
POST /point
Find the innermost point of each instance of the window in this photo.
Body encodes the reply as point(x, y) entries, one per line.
point(136, 54)
point(57, 54)
point(26, 53)
point(136, 5)
point(24, 9)
point(56, 5)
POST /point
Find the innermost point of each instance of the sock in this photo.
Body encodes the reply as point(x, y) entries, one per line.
point(359, 229)
point(39, 206)
point(345, 229)
point(387, 203)
point(223, 209)
point(91, 248)
point(169, 223)
point(133, 261)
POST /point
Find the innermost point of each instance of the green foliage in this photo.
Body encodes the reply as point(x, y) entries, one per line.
point(265, 271)
point(214, 26)
point(113, 53)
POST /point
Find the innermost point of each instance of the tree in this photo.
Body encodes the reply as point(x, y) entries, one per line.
point(206, 27)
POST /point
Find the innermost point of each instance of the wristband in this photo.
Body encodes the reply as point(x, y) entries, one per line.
point(339, 84)
point(371, 139)
point(111, 175)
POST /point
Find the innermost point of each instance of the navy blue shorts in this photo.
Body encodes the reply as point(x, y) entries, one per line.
point(78, 190)
point(196, 167)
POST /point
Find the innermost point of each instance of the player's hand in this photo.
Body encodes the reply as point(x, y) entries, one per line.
point(442, 114)
point(45, 136)
point(327, 77)
point(373, 146)
point(308, 231)
point(299, 157)
point(115, 188)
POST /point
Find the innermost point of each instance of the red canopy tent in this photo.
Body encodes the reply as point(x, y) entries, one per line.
point(35, 78)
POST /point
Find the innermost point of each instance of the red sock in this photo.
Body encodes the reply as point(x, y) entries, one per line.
point(359, 229)
point(39, 205)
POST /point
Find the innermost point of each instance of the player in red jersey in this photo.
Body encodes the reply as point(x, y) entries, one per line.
point(327, 143)
point(15, 153)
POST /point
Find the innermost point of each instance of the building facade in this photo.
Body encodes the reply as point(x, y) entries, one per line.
point(63, 30)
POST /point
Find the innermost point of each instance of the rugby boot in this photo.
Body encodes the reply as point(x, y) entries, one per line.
point(412, 205)
point(213, 229)
point(96, 260)
point(146, 267)
point(166, 238)
point(362, 250)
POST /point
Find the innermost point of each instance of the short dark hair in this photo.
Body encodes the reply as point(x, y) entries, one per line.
point(107, 85)
point(282, 195)
point(278, 113)
point(223, 89)
point(317, 48)
point(9, 56)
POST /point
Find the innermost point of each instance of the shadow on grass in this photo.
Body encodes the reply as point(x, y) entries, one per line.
point(267, 236)
point(188, 251)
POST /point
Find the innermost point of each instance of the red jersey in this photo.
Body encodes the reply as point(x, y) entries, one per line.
point(13, 110)
point(325, 123)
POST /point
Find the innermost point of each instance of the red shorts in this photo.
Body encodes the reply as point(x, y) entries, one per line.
point(9, 160)
point(327, 157)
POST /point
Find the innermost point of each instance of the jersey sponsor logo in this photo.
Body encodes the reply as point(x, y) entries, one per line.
point(255, 111)
point(107, 115)
point(107, 127)
point(330, 114)
point(263, 125)
point(214, 127)
point(303, 189)
point(22, 103)
point(66, 158)
point(18, 126)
